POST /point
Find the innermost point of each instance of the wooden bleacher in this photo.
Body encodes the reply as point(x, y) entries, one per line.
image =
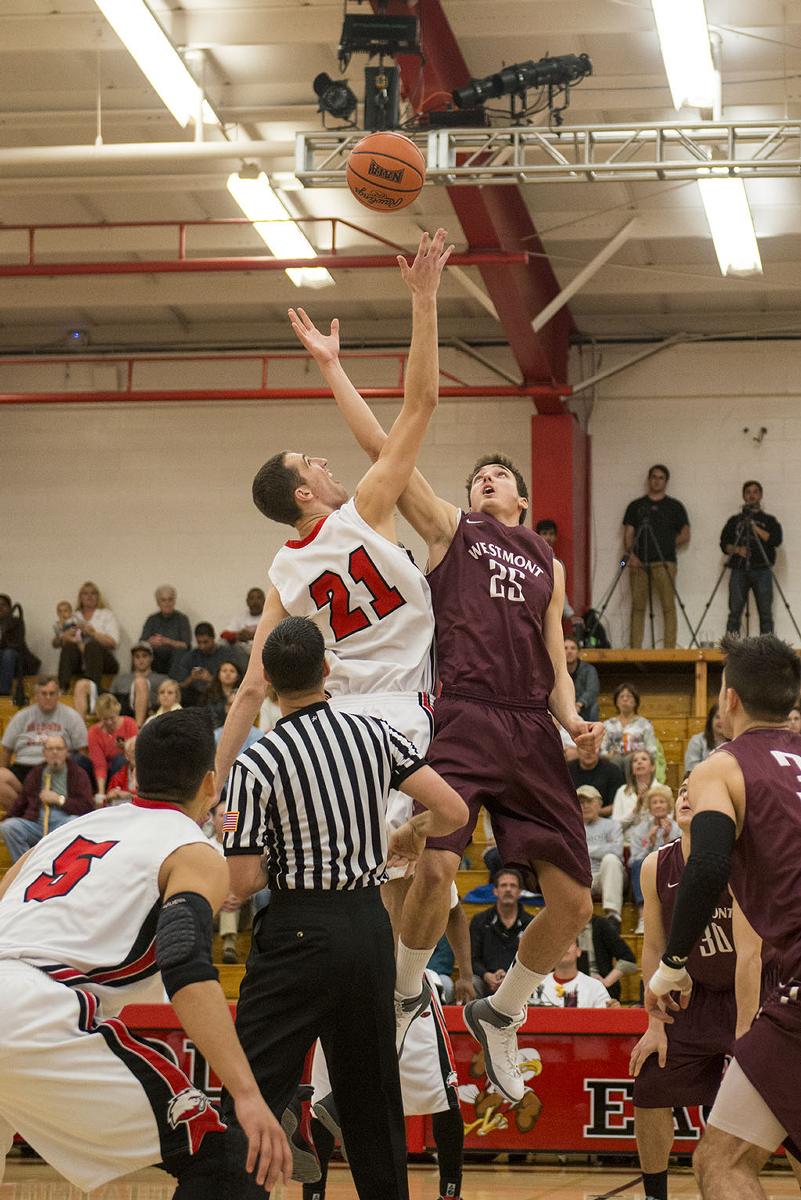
point(677, 687)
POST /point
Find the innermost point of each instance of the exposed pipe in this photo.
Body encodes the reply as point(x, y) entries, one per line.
point(648, 352)
point(584, 275)
point(178, 396)
point(167, 266)
point(104, 157)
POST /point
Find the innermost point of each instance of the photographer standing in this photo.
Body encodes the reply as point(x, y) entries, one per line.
point(751, 538)
point(653, 526)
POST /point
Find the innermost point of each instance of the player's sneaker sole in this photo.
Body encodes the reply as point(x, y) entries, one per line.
point(407, 1011)
point(493, 1031)
point(326, 1113)
point(305, 1163)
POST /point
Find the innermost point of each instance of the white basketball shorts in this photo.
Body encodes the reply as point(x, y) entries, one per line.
point(93, 1099)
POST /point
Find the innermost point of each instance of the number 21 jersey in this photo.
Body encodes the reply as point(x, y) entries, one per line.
point(369, 600)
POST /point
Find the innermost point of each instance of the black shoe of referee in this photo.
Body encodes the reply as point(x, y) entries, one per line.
point(407, 1010)
point(305, 1163)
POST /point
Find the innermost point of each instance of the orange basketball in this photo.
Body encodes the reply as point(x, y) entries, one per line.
point(385, 171)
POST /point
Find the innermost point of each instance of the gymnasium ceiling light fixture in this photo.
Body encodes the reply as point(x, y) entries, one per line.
point(731, 225)
point(154, 53)
point(686, 52)
point(273, 223)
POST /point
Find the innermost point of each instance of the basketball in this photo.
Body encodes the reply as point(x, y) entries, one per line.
point(385, 171)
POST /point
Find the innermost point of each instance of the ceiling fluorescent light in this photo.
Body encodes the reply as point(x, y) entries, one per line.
point(684, 41)
point(272, 221)
point(731, 225)
point(154, 53)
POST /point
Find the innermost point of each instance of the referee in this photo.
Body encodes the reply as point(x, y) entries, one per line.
point(313, 794)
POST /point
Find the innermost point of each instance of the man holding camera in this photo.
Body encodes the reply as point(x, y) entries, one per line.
point(751, 538)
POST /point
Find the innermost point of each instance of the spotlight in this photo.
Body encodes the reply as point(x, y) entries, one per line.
point(562, 71)
point(335, 97)
point(77, 339)
point(377, 33)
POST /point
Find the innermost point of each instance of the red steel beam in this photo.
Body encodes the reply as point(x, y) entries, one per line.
point(176, 395)
point(179, 266)
point(492, 217)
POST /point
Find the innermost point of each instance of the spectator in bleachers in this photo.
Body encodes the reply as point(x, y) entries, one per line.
point(605, 846)
point(640, 774)
point(222, 690)
point(197, 668)
point(15, 657)
point(602, 952)
point(701, 745)
point(589, 769)
point(138, 689)
point(495, 933)
point(628, 731)
point(240, 629)
point(26, 732)
point(228, 916)
point(254, 733)
point(169, 698)
point(58, 785)
point(750, 539)
point(653, 526)
point(568, 987)
point(88, 650)
point(121, 786)
point(107, 739)
point(655, 829)
point(585, 681)
point(548, 530)
point(167, 630)
point(794, 720)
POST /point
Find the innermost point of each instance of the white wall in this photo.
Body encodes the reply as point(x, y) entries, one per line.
point(132, 496)
point(688, 407)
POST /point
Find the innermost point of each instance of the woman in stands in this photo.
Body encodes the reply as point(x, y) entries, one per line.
point(656, 828)
point(628, 731)
point(701, 745)
point(107, 739)
point(221, 690)
point(169, 698)
point(640, 774)
point(794, 720)
point(87, 648)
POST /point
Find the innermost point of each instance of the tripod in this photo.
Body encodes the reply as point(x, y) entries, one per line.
point(743, 539)
point(645, 540)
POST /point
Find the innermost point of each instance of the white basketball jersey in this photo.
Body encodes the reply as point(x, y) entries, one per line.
point(84, 906)
point(369, 600)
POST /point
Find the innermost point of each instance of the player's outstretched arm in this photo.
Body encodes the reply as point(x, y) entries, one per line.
point(748, 969)
point(204, 1013)
point(654, 1040)
point(251, 692)
point(562, 700)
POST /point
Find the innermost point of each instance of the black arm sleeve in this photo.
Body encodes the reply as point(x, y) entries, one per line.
point(704, 878)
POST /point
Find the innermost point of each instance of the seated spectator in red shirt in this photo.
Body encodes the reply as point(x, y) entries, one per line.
point(121, 786)
point(107, 739)
point(57, 791)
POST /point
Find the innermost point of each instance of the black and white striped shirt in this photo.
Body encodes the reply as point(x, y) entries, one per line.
point(313, 794)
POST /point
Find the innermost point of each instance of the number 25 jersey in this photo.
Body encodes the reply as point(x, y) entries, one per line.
point(491, 593)
point(370, 602)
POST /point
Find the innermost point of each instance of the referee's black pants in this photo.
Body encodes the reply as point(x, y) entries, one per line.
point(322, 965)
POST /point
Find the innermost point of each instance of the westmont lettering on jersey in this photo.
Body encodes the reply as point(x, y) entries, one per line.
point(490, 550)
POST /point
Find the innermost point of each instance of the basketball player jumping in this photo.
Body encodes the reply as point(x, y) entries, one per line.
point(346, 571)
point(498, 599)
point(747, 831)
point(88, 919)
point(682, 1064)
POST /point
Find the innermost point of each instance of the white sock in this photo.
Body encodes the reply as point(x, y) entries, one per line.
point(409, 968)
point(516, 989)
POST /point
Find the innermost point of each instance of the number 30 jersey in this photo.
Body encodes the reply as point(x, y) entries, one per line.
point(369, 600)
point(491, 593)
point(85, 903)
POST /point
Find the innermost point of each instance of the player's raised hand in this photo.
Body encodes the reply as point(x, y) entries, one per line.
point(423, 276)
point(653, 1041)
point(324, 348)
point(269, 1155)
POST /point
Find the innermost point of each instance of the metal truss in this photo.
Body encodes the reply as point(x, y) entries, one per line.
point(577, 153)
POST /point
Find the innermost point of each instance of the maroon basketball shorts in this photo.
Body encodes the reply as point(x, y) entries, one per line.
point(511, 762)
point(770, 1056)
point(699, 1041)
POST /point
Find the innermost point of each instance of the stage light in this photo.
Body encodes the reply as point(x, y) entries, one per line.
point(564, 70)
point(377, 33)
point(272, 221)
point(335, 97)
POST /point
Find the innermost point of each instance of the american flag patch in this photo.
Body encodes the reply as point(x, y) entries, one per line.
point(230, 821)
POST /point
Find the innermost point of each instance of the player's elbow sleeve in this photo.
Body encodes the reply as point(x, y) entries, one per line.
point(183, 941)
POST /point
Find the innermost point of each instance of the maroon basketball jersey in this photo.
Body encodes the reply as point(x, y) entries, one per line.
point(712, 963)
point(490, 594)
point(766, 863)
